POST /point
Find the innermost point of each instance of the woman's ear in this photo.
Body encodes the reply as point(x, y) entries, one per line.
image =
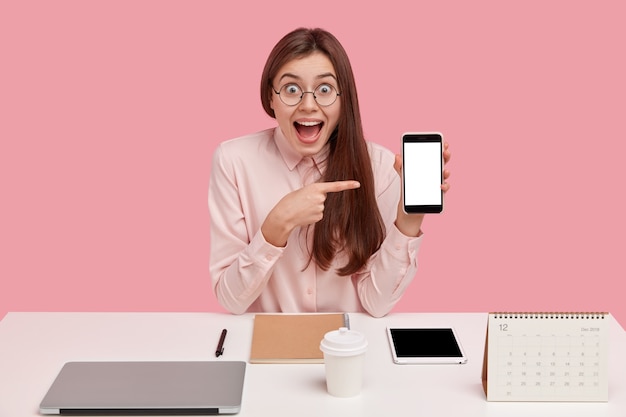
point(271, 99)
point(271, 103)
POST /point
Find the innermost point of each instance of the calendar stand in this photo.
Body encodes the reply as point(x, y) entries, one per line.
point(546, 357)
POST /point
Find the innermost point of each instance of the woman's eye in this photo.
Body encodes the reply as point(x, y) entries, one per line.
point(324, 89)
point(292, 89)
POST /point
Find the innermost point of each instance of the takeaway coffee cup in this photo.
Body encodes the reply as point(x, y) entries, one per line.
point(344, 351)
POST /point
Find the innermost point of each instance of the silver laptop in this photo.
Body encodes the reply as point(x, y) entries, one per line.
point(145, 388)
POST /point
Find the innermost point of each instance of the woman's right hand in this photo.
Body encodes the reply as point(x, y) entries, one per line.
point(300, 208)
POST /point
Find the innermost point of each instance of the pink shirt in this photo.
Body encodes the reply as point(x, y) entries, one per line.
point(249, 176)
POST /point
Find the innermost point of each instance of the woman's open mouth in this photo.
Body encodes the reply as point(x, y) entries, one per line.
point(308, 131)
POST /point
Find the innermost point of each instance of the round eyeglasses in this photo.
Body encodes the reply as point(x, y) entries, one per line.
point(291, 94)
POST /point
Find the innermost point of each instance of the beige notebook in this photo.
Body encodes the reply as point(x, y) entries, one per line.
point(292, 338)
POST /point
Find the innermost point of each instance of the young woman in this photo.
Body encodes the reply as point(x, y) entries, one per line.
point(307, 216)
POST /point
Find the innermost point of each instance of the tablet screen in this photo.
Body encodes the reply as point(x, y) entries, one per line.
point(425, 345)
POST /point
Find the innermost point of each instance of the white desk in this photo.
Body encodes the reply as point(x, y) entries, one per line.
point(34, 346)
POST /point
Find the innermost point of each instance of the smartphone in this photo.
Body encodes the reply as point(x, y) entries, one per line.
point(425, 345)
point(422, 172)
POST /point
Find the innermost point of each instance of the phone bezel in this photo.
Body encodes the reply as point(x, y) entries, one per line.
point(421, 137)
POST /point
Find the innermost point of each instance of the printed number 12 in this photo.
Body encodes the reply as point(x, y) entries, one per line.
point(504, 327)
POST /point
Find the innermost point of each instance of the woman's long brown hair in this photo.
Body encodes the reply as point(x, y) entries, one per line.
point(352, 222)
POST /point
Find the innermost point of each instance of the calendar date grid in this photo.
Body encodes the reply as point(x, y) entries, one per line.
point(548, 365)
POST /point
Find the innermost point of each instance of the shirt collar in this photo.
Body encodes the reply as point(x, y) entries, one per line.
point(293, 158)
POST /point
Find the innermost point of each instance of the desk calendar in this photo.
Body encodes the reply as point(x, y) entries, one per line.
point(546, 357)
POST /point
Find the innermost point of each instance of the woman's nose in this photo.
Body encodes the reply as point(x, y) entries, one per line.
point(308, 100)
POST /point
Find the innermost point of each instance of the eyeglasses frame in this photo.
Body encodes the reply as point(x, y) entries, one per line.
point(306, 92)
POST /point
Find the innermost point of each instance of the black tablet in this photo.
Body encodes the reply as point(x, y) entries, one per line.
point(425, 345)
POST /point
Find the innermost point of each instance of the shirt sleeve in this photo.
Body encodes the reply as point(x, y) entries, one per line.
point(383, 281)
point(240, 266)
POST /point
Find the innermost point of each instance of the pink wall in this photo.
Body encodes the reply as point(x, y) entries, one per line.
point(110, 111)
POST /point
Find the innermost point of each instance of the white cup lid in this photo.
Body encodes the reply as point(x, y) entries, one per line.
point(343, 342)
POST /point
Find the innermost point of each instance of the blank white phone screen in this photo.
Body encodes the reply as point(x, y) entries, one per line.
point(422, 173)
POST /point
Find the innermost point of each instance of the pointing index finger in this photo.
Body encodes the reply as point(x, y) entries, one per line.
point(337, 186)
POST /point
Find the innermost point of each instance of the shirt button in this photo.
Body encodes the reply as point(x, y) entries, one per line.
point(268, 257)
point(309, 291)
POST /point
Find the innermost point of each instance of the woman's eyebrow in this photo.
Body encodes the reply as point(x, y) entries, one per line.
point(320, 76)
point(326, 74)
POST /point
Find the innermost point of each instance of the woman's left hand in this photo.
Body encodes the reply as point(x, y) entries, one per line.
point(410, 224)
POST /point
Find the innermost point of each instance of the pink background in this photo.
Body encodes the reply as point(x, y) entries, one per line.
point(110, 111)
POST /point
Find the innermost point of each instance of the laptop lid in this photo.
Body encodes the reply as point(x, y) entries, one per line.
point(136, 388)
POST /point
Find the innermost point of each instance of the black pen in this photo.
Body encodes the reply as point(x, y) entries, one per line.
point(220, 345)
